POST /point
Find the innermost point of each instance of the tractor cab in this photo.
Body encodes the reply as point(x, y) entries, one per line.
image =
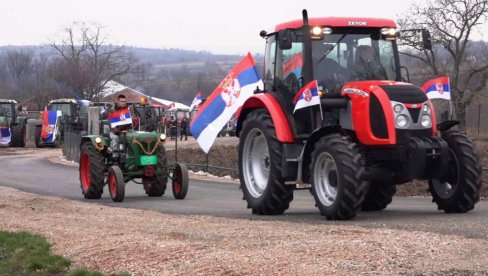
point(8, 111)
point(334, 51)
point(74, 114)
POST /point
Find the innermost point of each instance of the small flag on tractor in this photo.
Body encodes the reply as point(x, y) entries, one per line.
point(120, 118)
point(238, 86)
point(307, 96)
point(196, 101)
point(438, 88)
point(49, 125)
point(5, 136)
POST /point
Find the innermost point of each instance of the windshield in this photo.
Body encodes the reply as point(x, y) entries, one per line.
point(65, 108)
point(6, 109)
point(344, 57)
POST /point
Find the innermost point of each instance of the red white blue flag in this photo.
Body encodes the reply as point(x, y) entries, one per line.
point(120, 118)
point(5, 136)
point(438, 88)
point(50, 125)
point(196, 101)
point(293, 65)
point(307, 96)
point(238, 86)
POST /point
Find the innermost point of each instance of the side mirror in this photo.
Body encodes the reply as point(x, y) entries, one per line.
point(284, 39)
point(426, 39)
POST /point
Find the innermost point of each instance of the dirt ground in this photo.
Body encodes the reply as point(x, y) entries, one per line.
point(111, 239)
point(142, 242)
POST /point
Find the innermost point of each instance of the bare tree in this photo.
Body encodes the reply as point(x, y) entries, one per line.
point(88, 62)
point(452, 23)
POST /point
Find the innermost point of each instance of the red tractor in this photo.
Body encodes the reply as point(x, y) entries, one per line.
point(370, 132)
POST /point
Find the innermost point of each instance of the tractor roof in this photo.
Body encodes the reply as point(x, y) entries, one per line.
point(63, 101)
point(359, 22)
point(7, 101)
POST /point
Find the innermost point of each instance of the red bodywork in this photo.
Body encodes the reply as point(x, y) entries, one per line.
point(356, 22)
point(361, 116)
point(282, 127)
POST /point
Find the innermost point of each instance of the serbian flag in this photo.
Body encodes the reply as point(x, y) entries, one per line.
point(196, 101)
point(438, 88)
point(120, 118)
point(294, 65)
point(238, 86)
point(307, 96)
point(5, 136)
point(49, 125)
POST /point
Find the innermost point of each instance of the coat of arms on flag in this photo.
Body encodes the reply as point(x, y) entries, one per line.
point(120, 117)
point(307, 96)
point(438, 88)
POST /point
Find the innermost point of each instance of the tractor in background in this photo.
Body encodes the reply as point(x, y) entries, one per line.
point(369, 132)
point(74, 118)
point(10, 117)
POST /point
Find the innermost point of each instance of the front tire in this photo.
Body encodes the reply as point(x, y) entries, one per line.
point(458, 189)
point(180, 181)
point(116, 184)
point(378, 196)
point(260, 155)
point(92, 171)
point(337, 177)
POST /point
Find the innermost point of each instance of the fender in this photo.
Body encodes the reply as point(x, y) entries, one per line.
point(267, 101)
point(91, 138)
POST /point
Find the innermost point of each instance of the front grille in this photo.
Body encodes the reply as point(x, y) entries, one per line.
point(405, 93)
point(377, 118)
point(403, 135)
point(414, 113)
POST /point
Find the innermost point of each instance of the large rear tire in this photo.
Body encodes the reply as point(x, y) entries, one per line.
point(337, 177)
point(156, 185)
point(459, 189)
point(92, 171)
point(260, 155)
point(378, 196)
point(37, 136)
point(18, 136)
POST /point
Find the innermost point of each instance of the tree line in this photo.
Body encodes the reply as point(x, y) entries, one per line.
point(82, 61)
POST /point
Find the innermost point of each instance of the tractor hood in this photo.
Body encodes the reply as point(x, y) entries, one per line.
point(375, 120)
point(142, 136)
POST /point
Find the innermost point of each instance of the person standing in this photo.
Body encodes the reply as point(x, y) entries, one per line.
point(184, 128)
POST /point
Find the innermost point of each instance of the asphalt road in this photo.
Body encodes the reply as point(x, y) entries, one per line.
point(35, 174)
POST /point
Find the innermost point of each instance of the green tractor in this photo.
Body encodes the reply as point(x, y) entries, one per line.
point(10, 118)
point(74, 117)
point(138, 156)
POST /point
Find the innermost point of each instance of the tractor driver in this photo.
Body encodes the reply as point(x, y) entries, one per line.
point(367, 66)
point(329, 73)
point(121, 103)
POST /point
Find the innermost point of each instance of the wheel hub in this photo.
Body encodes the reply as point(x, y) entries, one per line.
point(256, 163)
point(325, 179)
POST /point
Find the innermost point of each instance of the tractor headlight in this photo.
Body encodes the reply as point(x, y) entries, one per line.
point(401, 121)
point(121, 147)
point(98, 140)
point(162, 137)
point(398, 108)
point(426, 121)
point(317, 30)
point(426, 108)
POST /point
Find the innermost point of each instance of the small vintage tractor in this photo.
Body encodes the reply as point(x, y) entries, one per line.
point(11, 118)
point(139, 155)
point(74, 118)
point(368, 133)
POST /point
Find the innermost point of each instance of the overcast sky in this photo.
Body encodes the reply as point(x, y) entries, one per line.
point(222, 27)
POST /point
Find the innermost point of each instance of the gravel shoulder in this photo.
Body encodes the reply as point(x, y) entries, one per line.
point(143, 242)
point(111, 239)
